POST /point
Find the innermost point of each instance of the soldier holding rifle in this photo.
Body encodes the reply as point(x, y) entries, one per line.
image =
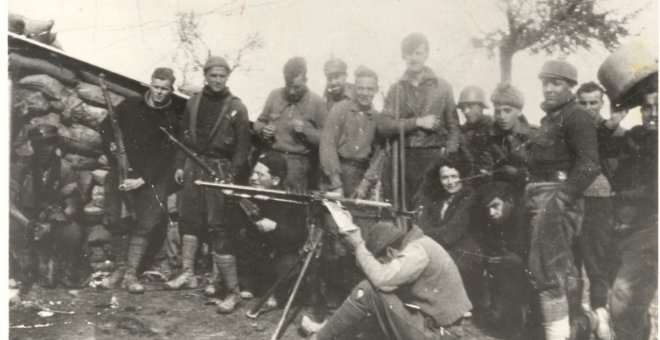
point(149, 176)
point(216, 126)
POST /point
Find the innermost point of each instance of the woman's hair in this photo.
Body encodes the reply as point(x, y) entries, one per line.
point(431, 185)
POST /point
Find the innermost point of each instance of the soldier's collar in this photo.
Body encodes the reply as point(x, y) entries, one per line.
point(355, 107)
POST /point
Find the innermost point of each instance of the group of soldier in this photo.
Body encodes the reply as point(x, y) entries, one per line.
point(533, 207)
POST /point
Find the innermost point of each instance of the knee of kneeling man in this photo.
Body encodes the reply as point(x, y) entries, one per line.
point(363, 289)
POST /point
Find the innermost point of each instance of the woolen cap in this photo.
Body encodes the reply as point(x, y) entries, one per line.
point(335, 66)
point(381, 235)
point(559, 69)
point(216, 61)
point(506, 94)
point(275, 163)
point(492, 190)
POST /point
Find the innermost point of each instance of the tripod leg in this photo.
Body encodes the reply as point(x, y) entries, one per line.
point(308, 259)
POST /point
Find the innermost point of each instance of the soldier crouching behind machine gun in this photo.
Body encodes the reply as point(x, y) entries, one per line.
point(45, 240)
point(272, 235)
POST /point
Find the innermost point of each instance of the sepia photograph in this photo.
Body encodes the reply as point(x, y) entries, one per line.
point(332, 169)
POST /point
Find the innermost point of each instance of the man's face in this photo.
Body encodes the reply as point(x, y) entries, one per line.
point(592, 101)
point(506, 117)
point(160, 90)
point(336, 82)
point(262, 179)
point(473, 112)
point(295, 87)
point(555, 90)
point(44, 150)
point(650, 111)
point(450, 180)
point(499, 210)
point(415, 60)
point(365, 90)
point(216, 78)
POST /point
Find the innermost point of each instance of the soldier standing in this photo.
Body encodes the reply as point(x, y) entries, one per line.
point(476, 130)
point(423, 105)
point(510, 138)
point(45, 199)
point(293, 118)
point(151, 157)
point(563, 161)
point(630, 76)
point(216, 126)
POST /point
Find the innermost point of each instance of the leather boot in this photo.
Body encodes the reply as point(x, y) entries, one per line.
point(229, 274)
point(581, 327)
point(187, 278)
point(211, 289)
point(119, 244)
point(136, 249)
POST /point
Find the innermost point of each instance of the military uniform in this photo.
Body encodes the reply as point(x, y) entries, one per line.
point(511, 148)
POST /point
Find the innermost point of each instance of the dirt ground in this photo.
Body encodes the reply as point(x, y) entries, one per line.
point(156, 314)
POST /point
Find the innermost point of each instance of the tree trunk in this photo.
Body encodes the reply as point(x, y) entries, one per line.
point(506, 63)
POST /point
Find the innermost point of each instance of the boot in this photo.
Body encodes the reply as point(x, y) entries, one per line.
point(211, 288)
point(579, 321)
point(187, 277)
point(228, 273)
point(603, 330)
point(119, 246)
point(136, 249)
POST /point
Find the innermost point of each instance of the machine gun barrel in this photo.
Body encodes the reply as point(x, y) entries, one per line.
point(258, 193)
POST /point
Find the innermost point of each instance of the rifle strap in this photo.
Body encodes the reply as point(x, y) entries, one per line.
point(221, 117)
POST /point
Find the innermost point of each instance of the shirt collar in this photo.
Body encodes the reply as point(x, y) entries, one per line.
point(355, 107)
point(426, 75)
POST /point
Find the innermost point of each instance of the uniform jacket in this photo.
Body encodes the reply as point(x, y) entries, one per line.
point(433, 96)
point(476, 138)
point(512, 148)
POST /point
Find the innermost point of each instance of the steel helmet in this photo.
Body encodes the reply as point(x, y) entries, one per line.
point(472, 94)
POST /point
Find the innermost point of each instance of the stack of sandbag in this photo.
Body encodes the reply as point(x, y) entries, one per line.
point(48, 92)
point(39, 30)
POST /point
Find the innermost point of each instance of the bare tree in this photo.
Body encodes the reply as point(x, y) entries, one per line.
point(550, 26)
point(193, 50)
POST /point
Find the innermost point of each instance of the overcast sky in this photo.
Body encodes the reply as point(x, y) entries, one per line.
point(132, 37)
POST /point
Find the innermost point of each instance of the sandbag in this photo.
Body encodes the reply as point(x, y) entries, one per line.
point(99, 178)
point(121, 90)
point(29, 102)
point(94, 94)
point(50, 119)
point(21, 145)
point(97, 234)
point(25, 65)
point(57, 44)
point(80, 162)
point(69, 102)
point(88, 115)
point(45, 37)
point(79, 139)
point(34, 26)
point(16, 24)
point(48, 85)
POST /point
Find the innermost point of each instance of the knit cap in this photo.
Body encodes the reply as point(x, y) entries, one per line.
point(506, 94)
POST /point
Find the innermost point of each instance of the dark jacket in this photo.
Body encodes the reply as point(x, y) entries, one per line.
point(433, 96)
point(476, 138)
point(511, 148)
point(232, 139)
point(567, 146)
point(150, 154)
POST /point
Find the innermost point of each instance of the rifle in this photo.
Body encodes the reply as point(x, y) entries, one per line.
point(123, 166)
point(192, 155)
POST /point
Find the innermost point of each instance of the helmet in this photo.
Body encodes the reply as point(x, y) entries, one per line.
point(626, 69)
point(472, 94)
point(559, 69)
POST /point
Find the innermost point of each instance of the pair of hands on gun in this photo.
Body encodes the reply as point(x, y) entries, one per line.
point(128, 184)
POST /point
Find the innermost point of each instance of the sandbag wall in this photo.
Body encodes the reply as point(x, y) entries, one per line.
point(43, 92)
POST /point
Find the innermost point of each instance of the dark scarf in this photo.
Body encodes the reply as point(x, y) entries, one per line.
point(149, 101)
point(215, 96)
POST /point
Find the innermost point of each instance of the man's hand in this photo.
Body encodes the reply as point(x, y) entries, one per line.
point(428, 122)
point(508, 170)
point(297, 125)
point(178, 176)
point(266, 225)
point(268, 131)
point(131, 184)
point(354, 237)
point(615, 118)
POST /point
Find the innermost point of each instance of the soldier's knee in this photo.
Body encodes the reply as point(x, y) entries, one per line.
point(621, 297)
point(362, 290)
